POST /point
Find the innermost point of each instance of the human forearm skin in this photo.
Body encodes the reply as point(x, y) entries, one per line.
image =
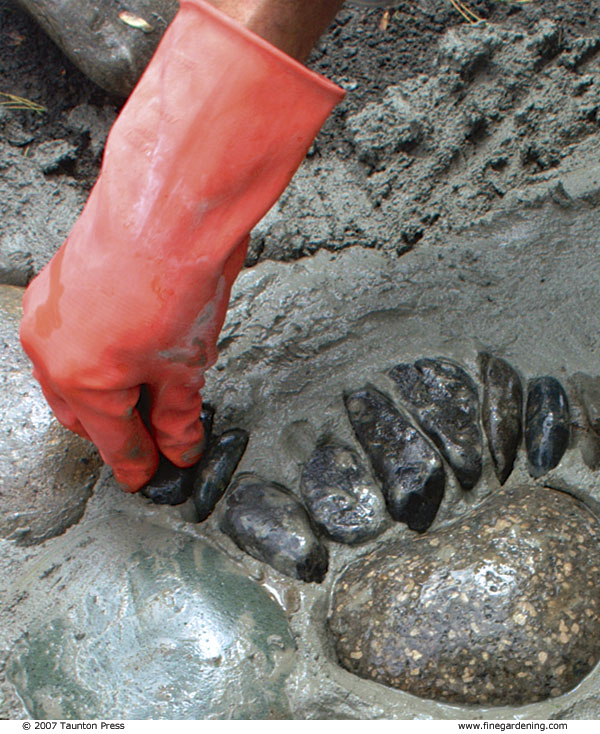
point(294, 26)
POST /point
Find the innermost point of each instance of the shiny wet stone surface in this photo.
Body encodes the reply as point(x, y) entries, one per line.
point(46, 472)
point(500, 608)
point(342, 498)
point(547, 424)
point(152, 624)
point(266, 520)
point(501, 412)
point(409, 468)
point(443, 399)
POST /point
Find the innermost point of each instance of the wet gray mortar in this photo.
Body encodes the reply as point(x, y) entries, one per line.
point(522, 286)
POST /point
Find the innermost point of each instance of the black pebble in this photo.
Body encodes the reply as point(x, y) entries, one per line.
point(216, 468)
point(172, 485)
point(501, 412)
point(443, 399)
point(409, 468)
point(547, 424)
point(340, 495)
point(265, 520)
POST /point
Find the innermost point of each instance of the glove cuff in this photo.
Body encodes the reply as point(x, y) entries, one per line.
point(330, 90)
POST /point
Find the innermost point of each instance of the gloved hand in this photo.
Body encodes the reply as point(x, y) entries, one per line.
point(137, 294)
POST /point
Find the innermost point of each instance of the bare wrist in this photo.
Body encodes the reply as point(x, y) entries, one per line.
point(293, 26)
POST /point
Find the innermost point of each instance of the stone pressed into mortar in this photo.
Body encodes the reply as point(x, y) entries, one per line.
point(501, 607)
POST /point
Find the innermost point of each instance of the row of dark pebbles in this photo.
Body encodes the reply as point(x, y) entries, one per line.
point(341, 502)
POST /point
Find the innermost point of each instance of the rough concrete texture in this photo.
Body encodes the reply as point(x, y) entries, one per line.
point(520, 282)
point(506, 117)
point(46, 472)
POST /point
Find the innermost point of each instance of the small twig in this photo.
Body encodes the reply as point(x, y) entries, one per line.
point(465, 11)
point(13, 102)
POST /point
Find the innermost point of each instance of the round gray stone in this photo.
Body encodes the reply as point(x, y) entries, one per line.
point(111, 42)
point(46, 472)
point(151, 624)
point(499, 608)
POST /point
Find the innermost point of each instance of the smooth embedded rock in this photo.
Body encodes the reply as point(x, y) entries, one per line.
point(588, 390)
point(268, 522)
point(499, 608)
point(46, 472)
point(149, 624)
point(501, 412)
point(443, 399)
point(409, 468)
point(586, 417)
point(172, 485)
point(216, 469)
point(16, 268)
point(547, 424)
point(342, 498)
point(112, 48)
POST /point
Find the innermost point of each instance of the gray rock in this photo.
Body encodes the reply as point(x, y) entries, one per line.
point(588, 389)
point(111, 42)
point(499, 608)
point(340, 495)
point(16, 268)
point(501, 412)
point(268, 522)
point(46, 472)
point(149, 624)
point(547, 424)
point(216, 469)
point(443, 399)
point(409, 468)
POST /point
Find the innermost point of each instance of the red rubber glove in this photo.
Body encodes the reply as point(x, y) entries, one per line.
point(137, 294)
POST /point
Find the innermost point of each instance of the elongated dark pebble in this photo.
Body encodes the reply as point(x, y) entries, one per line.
point(342, 498)
point(501, 412)
point(547, 424)
point(216, 468)
point(443, 399)
point(409, 468)
point(265, 520)
point(172, 485)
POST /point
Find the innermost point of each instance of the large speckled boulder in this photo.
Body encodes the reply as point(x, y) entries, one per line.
point(152, 624)
point(501, 607)
point(109, 41)
point(46, 472)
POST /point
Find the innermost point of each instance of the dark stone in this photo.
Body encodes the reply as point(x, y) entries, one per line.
point(547, 424)
point(172, 485)
point(103, 37)
point(409, 468)
point(499, 608)
point(501, 412)
point(268, 522)
point(443, 399)
point(216, 468)
point(340, 495)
